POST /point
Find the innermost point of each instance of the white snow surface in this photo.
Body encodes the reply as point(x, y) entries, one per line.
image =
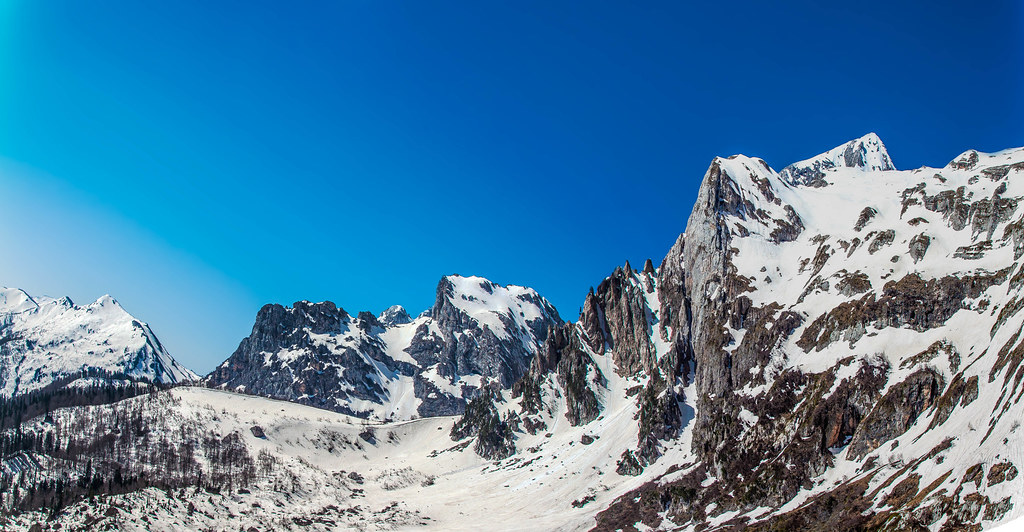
point(414, 475)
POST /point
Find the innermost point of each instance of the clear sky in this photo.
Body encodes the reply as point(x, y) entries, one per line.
point(199, 159)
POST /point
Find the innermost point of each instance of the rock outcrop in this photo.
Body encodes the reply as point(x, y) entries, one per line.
point(493, 435)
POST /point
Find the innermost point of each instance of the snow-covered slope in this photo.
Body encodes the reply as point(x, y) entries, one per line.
point(319, 470)
point(45, 341)
point(391, 366)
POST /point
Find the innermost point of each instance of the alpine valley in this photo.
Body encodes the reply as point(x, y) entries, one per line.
point(833, 346)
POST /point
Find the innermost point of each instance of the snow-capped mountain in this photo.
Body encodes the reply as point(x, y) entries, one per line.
point(46, 341)
point(391, 366)
point(856, 345)
point(841, 352)
point(835, 346)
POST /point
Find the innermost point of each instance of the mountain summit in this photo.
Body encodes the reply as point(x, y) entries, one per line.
point(50, 342)
point(867, 154)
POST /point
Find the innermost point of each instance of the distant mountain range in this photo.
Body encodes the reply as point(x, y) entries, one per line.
point(834, 346)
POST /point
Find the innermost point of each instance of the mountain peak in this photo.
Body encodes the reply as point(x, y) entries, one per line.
point(866, 153)
point(105, 306)
point(15, 300)
point(107, 299)
point(483, 299)
point(394, 315)
point(747, 192)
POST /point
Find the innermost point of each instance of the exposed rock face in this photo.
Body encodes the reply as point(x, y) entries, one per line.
point(567, 364)
point(736, 192)
point(659, 418)
point(564, 354)
point(628, 332)
point(881, 240)
point(277, 327)
point(394, 315)
point(674, 314)
point(911, 302)
point(919, 246)
point(494, 438)
point(897, 411)
point(315, 353)
point(804, 357)
point(966, 161)
point(621, 306)
point(865, 216)
point(960, 393)
point(958, 210)
point(853, 283)
point(47, 343)
point(492, 346)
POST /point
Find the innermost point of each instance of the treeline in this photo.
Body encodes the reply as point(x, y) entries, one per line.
point(106, 387)
point(54, 494)
point(105, 447)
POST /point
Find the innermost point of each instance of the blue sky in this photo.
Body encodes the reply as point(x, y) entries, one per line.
point(197, 161)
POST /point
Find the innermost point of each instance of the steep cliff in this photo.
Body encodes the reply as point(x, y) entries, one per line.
point(855, 331)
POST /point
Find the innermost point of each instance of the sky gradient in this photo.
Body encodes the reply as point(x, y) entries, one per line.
point(198, 161)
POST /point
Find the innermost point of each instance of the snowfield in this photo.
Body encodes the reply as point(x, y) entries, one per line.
point(326, 476)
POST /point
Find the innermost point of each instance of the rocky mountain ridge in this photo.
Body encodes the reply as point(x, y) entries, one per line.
point(815, 340)
point(845, 335)
point(477, 334)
